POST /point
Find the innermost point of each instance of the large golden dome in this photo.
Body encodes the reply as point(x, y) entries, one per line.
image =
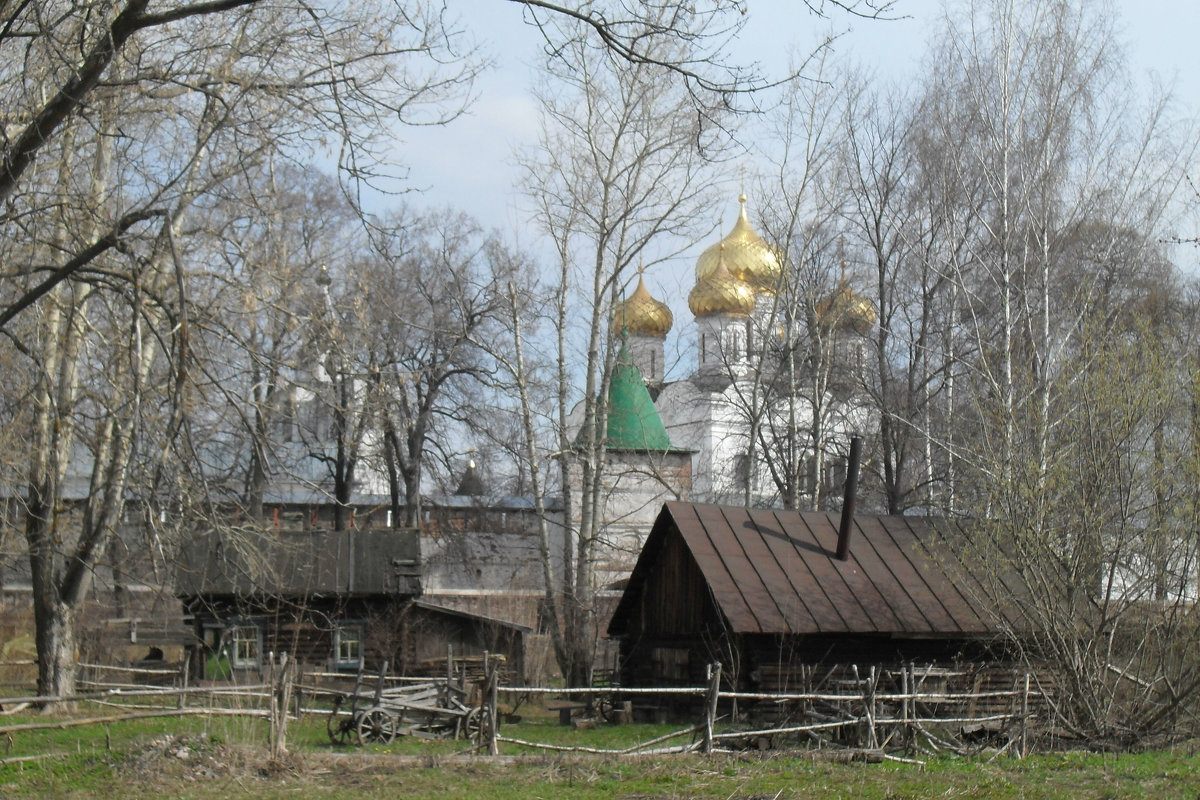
point(721, 292)
point(846, 309)
point(747, 256)
point(641, 314)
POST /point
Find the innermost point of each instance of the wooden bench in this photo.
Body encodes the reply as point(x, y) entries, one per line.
point(565, 710)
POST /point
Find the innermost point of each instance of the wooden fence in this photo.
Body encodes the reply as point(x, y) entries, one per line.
point(858, 716)
point(861, 717)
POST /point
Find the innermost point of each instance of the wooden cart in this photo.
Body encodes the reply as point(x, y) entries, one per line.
point(433, 710)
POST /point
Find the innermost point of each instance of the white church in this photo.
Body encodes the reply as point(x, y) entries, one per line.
point(768, 397)
point(764, 420)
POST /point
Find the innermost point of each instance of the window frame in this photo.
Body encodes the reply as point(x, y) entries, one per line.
point(339, 638)
point(241, 635)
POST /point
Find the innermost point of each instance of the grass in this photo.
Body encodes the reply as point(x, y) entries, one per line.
point(198, 758)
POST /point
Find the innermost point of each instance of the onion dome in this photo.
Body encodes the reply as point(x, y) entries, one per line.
point(471, 483)
point(747, 256)
point(721, 292)
point(846, 309)
point(641, 314)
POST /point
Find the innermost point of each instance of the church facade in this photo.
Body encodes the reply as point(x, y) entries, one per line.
point(769, 409)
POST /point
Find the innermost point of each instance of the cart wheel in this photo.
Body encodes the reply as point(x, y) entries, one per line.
point(338, 727)
point(471, 725)
point(605, 707)
point(478, 724)
point(376, 725)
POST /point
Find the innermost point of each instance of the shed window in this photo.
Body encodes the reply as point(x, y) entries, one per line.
point(247, 644)
point(347, 645)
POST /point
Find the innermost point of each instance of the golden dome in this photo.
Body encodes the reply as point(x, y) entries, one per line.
point(747, 256)
point(845, 309)
point(641, 314)
point(721, 292)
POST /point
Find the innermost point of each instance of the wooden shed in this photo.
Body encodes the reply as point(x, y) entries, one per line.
point(334, 600)
point(763, 592)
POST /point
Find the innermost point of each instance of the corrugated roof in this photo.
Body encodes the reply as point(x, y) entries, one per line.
point(775, 572)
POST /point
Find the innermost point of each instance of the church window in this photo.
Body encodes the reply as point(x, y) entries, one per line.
point(741, 471)
point(287, 422)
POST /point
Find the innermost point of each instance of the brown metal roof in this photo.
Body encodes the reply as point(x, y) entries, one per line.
point(775, 572)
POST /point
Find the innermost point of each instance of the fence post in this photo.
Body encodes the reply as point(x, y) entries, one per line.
point(807, 688)
point(862, 693)
point(493, 710)
point(1024, 718)
point(908, 737)
point(710, 706)
point(183, 680)
point(272, 709)
point(869, 698)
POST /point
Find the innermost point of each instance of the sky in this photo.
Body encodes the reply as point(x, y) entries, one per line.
point(469, 163)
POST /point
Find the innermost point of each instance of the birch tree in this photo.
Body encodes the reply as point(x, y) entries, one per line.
point(1072, 184)
point(616, 179)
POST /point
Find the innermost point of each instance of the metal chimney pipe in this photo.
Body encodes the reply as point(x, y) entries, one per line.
point(849, 498)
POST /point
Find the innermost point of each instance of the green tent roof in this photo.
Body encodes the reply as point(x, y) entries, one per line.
point(633, 421)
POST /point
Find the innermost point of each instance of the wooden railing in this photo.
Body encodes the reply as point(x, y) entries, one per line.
point(857, 715)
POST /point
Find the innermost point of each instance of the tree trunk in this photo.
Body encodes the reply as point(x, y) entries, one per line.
point(55, 635)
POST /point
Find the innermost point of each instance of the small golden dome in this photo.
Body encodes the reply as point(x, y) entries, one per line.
point(721, 292)
point(641, 314)
point(846, 309)
point(747, 256)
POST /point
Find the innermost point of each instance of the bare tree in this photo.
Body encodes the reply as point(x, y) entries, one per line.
point(81, 171)
point(787, 400)
point(307, 67)
point(1064, 187)
point(255, 331)
point(437, 293)
point(617, 172)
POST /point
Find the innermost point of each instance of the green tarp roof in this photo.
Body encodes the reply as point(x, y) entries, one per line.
point(633, 421)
